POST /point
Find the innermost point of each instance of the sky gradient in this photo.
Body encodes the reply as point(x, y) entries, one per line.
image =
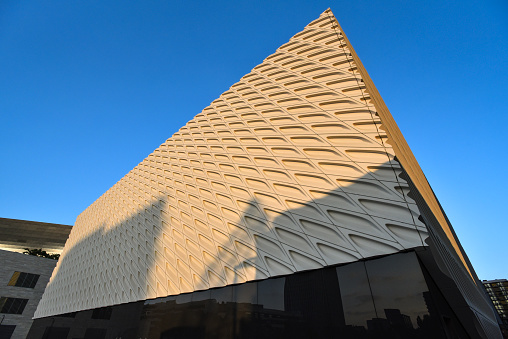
point(89, 88)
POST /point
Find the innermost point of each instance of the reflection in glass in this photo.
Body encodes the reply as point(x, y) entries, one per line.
point(401, 296)
point(246, 293)
point(246, 298)
point(313, 299)
point(271, 294)
point(378, 298)
point(355, 292)
point(184, 298)
point(220, 319)
point(222, 295)
point(201, 295)
point(397, 283)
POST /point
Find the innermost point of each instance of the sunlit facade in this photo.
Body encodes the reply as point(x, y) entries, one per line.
point(290, 207)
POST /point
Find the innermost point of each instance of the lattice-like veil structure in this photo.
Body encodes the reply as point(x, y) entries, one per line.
point(297, 166)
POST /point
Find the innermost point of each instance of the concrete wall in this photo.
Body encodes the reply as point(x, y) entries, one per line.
point(10, 263)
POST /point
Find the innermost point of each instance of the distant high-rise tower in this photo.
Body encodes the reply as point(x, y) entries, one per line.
point(294, 184)
point(498, 293)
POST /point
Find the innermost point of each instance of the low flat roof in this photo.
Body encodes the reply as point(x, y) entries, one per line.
point(16, 235)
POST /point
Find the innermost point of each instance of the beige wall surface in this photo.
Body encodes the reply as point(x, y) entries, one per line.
point(286, 171)
point(402, 150)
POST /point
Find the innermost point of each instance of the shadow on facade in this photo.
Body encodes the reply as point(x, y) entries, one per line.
point(390, 297)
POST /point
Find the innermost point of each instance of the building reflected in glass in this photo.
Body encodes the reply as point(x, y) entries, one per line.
point(387, 297)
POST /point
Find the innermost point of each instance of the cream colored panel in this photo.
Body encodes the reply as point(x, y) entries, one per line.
point(286, 171)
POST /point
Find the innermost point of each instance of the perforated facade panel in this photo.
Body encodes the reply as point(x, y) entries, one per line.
point(288, 170)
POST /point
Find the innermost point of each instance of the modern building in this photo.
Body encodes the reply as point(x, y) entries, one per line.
point(16, 235)
point(23, 278)
point(498, 293)
point(291, 207)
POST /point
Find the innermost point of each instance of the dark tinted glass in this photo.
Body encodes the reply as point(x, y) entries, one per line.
point(33, 282)
point(102, 313)
point(400, 296)
point(221, 313)
point(313, 300)
point(245, 310)
point(222, 295)
point(245, 293)
point(27, 280)
point(355, 293)
point(95, 333)
point(56, 333)
point(6, 331)
point(201, 296)
point(21, 279)
point(397, 286)
point(183, 298)
point(271, 294)
point(66, 315)
point(272, 319)
point(176, 317)
point(378, 298)
point(12, 305)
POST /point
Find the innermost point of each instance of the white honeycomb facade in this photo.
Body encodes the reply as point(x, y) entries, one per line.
point(288, 170)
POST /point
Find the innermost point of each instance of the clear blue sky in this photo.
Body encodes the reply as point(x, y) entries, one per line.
point(89, 88)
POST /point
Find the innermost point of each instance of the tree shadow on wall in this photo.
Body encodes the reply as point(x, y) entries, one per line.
point(152, 251)
point(108, 265)
point(267, 240)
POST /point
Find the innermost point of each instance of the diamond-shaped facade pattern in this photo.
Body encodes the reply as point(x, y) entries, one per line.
point(288, 170)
